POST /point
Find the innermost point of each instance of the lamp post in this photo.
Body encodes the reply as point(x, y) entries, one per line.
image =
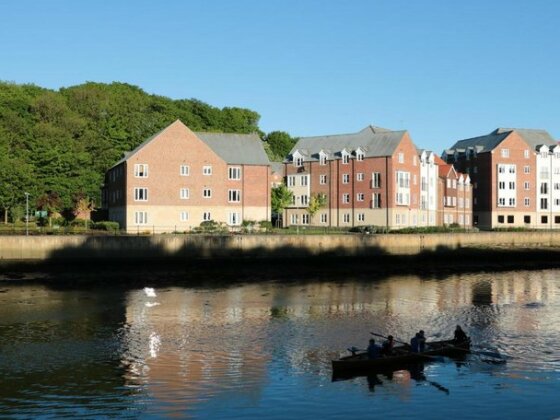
point(26, 213)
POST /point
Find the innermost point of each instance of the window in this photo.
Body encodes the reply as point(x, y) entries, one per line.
point(526, 219)
point(303, 181)
point(184, 193)
point(360, 197)
point(322, 179)
point(361, 217)
point(401, 157)
point(511, 169)
point(512, 202)
point(526, 185)
point(402, 199)
point(206, 216)
point(512, 185)
point(207, 193)
point(207, 170)
point(345, 178)
point(234, 218)
point(234, 196)
point(375, 200)
point(501, 202)
point(346, 198)
point(526, 153)
point(501, 185)
point(305, 219)
point(360, 176)
point(557, 186)
point(294, 219)
point(501, 169)
point(544, 220)
point(141, 170)
point(510, 219)
point(544, 187)
point(505, 153)
point(140, 194)
point(345, 158)
point(376, 180)
point(298, 161)
point(403, 179)
point(527, 201)
point(346, 217)
point(184, 216)
point(544, 203)
point(501, 219)
point(527, 169)
point(141, 217)
point(304, 200)
point(556, 219)
point(323, 217)
point(234, 173)
point(322, 159)
point(291, 181)
point(185, 170)
point(359, 156)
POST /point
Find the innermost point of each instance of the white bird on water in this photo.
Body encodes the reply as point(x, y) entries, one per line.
point(150, 292)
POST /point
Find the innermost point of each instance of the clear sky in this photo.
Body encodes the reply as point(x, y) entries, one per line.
point(443, 69)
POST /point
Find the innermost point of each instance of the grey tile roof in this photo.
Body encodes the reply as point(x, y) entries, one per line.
point(374, 141)
point(490, 141)
point(277, 167)
point(246, 149)
point(242, 149)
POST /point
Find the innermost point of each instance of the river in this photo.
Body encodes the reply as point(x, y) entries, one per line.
point(263, 350)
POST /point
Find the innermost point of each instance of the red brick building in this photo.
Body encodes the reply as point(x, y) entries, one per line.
point(515, 175)
point(177, 179)
point(368, 178)
point(455, 192)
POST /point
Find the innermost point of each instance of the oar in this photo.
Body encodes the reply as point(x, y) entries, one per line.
point(394, 339)
point(480, 353)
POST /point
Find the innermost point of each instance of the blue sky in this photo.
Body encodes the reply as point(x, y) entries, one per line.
point(442, 69)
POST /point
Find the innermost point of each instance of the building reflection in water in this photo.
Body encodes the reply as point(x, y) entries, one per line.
point(189, 345)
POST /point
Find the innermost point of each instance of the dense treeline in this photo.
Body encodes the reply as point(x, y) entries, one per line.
point(57, 145)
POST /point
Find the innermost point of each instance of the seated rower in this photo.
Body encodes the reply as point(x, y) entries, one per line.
point(387, 348)
point(414, 343)
point(460, 336)
point(421, 341)
point(373, 349)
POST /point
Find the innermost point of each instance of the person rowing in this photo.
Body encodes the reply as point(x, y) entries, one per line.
point(387, 347)
point(460, 336)
point(373, 350)
point(418, 342)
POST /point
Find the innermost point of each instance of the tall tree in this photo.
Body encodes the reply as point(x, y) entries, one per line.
point(281, 197)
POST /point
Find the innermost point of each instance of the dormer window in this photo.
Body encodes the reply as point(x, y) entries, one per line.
point(345, 157)
point(322, 159)
point(298, 161)
point(359, 155)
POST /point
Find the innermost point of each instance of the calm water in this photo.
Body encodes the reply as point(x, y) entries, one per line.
point(264, 350)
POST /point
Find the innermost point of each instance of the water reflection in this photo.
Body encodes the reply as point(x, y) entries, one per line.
point(179, 351)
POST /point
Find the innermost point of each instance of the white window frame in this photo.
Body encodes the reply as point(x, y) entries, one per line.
point(207, 193)
point(361, 217)
point(345, 198)
point(360, 196)
point(206, 216)
point(234, 173)
point(184, 170)
point(184, 193)
point(346, 218)
point(184, 216)
point(345, 178)
point(234, 218)
point(322, 179)
point(305, 219)
point(360, 176)
point(323, 217)
point(234, 196)
point(140, 217)
point(376, 180)
point(141, 170)
point(140, 194)
point(504, 153)
point(207, 170)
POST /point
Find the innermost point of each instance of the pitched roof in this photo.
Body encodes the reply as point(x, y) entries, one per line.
point(246, 149)
point(374, 141)
point(490, 141)
point(243, 149)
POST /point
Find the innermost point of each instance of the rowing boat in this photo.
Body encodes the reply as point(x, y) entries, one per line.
point(401, 356)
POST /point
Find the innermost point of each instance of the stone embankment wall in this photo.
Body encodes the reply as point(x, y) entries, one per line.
point(193, 247)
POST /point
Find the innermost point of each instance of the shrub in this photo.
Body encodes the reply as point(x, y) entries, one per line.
point(265, 225)
point(105, 225)
point(211, 226)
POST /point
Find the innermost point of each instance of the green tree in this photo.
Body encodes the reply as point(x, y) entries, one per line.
point(49, 202)
point(279, 143)
point(281, 197)
point(316, 203)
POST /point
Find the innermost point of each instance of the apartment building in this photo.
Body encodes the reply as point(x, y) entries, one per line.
point(515, 176)
point(372, 177)
point(455, 190)
point(177, 179)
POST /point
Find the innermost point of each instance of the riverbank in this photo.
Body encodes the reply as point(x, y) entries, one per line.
point(219, 259)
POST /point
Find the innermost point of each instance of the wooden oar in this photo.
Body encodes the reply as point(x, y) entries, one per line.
point(394, 339)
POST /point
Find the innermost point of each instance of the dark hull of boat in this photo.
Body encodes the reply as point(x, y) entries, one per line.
point(402, 357)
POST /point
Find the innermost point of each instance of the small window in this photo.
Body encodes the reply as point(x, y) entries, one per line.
point(527, 201)
point(510, 219)
point(234, 173)
point(505, 153)
point(359, 156)
point(346, 198)
point(323, 217)
point(185, 170)
point(322, 179)
point(345, 178)
point(184, 216)
point(206, 216)
point(376, 180)
point(501, 219)
point(527, 169)
point(346, 218)
point(322, 159)
point(544, 220)
point(526, 153)
point(141, 217)
point(298, 161)
point(291, 181)
point(361, 217)
point(234, 218)
point(141, 170)
point(207, 170)
point(207, 193)
point(345, 158)
point(305, 219)
point(304, 181)
point(526, 219)
point(360, 176)
point(360, 196)
point(140, 194)
point(556, 219)
point(184, 193)
point(401, 157)
point(234, 196)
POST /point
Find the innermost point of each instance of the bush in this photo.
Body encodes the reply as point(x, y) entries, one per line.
point(248, 226)
point(369, 229)
point(265, 225)
point(211, 226)
point(82, 223)
point(106, 225)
